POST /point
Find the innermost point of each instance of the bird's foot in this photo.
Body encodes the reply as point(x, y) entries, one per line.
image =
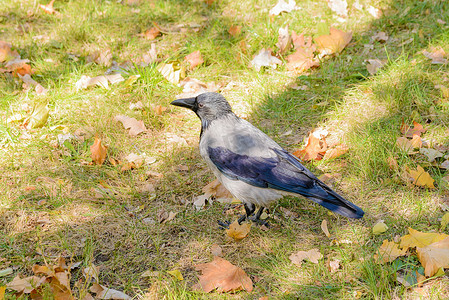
point(259, 221)
point(224, 225)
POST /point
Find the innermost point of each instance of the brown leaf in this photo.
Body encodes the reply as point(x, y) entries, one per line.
point(312, 255)
point(235, 30)
point(135, 127)
point(6, 53)
point(434, 256)
point(302, 60)
point(374, 65)
point(408, 145)
point(151, 33)
point(422, 178)
point(216, 189)
point(336, 151)
point(409, 132)
point(237, 231)
point(314, 149)
point(388, 252)
point(107, 293)
point(98, 152)
point(194, 59)
point(216, 250)
point(26, 285)
point(222, 276)
point(437, 55)
point(300, 41)
point(324, 228)
point(416, 238)
point(48, 8)
point(334, 42)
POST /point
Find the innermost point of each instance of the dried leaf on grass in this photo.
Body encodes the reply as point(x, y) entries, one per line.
point(235, 30)
point(135, 127)
point(194, 59)
point(374, 65)
point(388, 252)
point(173, 72)
point(284, 40)
point(265, 59)
point(107, 293)
point(98, 152)
point(422, 178)
point(340, 7)
point(409, 132)
point(222, 276)
point(237, 231)
point(38, 117)
point(301, 60)
point(216, 250)
point(434, 256)
point(416, 238)
point(336, 151)
point(324, 228)
point(334, 42)
point(437, 55)
point(217, 190)
point(177, 274)
point(49, 9)
point(312, 255)
point(314, 149)
point(431, 154)
point(380, 227)
point(282, 6)
point(444, 221)
point(151, 33)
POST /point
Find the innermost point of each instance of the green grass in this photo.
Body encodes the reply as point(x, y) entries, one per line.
point(49, 206)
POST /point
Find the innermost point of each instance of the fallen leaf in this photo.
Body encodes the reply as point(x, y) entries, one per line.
point(26, 285)
point(284, 40)
point(101, 57)
point(282, 6)
point(312, 255)
point(336, 152)
point(48, 8)
point(409, 132)
point(388, 252)
point(6, 272)
point(235, 30)
point(334, 42)
point(380, 37)
point(374, 65)
point(159, 109)
point(5, 52)
point(437, 55)
point(375, 12)
point(151, 33)
point(194, 59)
point(217, 190)
point(334, 265)
point(380, 227)
point(431, 154)
point(340, 7)
point(200, 202)
point(107, 293)
point(237, 231)
point(135, 127)
point(420, 239)
point(314, 149)
point(38, 117)
point(301, 60)
point(434, 256)
point(216, 250)
point(98, 152)
point(265, 59)
point(177, 274)
point(300, 41)
point(172, 72)
point(2, 292)
point(222, 276)
point(422, 178)
point(444, 221)
point(324, 228)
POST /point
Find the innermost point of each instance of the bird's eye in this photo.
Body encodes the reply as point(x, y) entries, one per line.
point(200, 105)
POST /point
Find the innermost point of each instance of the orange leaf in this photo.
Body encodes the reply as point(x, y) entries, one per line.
point(336, 151)
point(334, 42)
point(194, 59)
point(48, 8)
point(159, 109)
point(301, 60)
point(388, 252)
point(434, 256)
point(98, 152)
point(237, 231)
point(5, 51)
point(235, 30)
point(151, 33)
point(216, 189)
point(135, 127)
point(223, 276)
point(409, 132)
point(314, 150)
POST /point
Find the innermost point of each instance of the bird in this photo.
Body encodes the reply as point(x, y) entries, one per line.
point(251, 166)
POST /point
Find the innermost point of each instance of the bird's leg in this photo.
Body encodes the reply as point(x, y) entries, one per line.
point(257, 219)
point(249, 209)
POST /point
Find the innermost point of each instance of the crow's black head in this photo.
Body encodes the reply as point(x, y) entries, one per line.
point(208, 106)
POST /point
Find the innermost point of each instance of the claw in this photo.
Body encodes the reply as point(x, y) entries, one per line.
point(224, 225)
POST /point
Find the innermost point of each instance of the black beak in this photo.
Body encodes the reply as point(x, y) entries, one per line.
point(186, 102)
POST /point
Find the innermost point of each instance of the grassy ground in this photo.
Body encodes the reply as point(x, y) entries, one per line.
point(49, 205)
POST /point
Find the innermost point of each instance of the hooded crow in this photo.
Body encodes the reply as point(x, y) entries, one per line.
point(253, 167)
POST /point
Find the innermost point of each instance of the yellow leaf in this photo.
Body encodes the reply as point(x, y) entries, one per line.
point(2, 292)
point(176, 273)
point(379, 228)
point(422, 178)
point(444, 221)
point(434, 256)
point(98, 152)
point(388, 252)
point(38, 117)
point(420, 239)
point(237, 231)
